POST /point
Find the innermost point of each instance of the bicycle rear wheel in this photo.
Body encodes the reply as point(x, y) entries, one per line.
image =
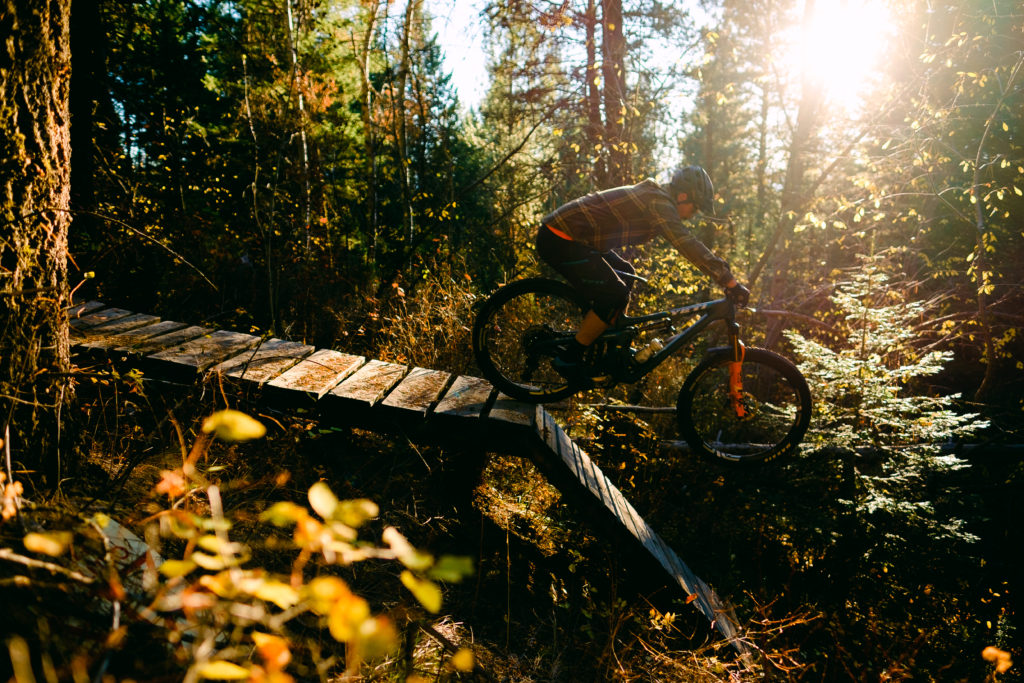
point(775, 398)
point(519, 330)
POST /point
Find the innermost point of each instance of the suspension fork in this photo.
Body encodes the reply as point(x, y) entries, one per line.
point(736, 371)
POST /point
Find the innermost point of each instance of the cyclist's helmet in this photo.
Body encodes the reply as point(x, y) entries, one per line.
point(695, 182)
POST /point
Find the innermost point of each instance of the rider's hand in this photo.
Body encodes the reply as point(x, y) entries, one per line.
point(738, 294)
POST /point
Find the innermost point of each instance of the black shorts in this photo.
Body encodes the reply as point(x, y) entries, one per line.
point(593, 273)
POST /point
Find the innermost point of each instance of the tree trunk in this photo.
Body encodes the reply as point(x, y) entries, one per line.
point(613, 46)
point(595, 127)
point(35, 154)
point(366, 98)
point(401, 118)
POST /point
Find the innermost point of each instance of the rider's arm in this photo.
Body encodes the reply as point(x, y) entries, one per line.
point(687, 244)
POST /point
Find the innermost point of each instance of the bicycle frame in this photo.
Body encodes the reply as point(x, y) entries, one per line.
point(712, 311)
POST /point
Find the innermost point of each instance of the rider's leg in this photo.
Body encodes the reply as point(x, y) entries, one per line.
point(591, 328)
point(593, 273)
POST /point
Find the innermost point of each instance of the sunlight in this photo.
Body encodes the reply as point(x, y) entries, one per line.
point(843, 47)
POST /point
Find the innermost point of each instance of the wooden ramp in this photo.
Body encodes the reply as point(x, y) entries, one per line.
point(345, 389)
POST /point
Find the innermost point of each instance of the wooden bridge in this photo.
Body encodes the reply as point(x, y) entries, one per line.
point(346, 389)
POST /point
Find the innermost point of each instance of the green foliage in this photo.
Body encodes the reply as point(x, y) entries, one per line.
point(868, 392)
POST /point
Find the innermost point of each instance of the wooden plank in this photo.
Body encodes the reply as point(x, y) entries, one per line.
point(467, 397)
point(420, 389)
point(126, 340)
point(265, 361)
point(165, 341)
point(201, 353)
point(368, 385)
point(78, 310)
point(315, 375)
point(508, 409)
point(591, 477)
point(100, 317)
point(116, 327)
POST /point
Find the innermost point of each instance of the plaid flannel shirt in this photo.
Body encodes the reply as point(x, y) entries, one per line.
point(634, 214)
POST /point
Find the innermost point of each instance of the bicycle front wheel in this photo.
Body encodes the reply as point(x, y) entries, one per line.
point(767, 419)
point(520, 330)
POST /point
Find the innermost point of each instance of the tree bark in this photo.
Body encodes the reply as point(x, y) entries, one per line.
point(595, 126)
point(35, 153)
point(613, 46)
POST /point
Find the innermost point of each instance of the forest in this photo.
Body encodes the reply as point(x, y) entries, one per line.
point(307, 170)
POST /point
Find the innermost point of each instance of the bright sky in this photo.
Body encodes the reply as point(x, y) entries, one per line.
point(460, 34)
point(847, 38)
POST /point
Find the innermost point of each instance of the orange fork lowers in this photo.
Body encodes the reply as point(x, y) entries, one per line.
point(736, 380)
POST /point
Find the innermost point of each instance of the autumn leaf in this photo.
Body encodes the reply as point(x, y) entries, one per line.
point(54, 543)
point(1000, 658)
point(273, 649)
point(427, 592)
point(221, 670)
point(233, 425)
point(463, 660)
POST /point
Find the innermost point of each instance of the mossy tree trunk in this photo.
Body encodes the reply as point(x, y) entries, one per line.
point(35, 157)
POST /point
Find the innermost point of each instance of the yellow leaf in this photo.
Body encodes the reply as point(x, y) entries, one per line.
point(53, 543)
point(209, 562)
point(281, 594)
point(406, 554)
point(346, 616)
point(463, 660)
point(324, 591)
point(427, 592)
point(452, 568)
point(218, 584)
point(233, 425)
point(322, 500)
point(175, 568)
point(224, 671)
point(284, 513)
point(355, 513)
point(273, 649)
point(377, 637)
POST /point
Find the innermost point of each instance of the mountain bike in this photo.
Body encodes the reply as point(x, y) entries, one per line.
point(738, 404)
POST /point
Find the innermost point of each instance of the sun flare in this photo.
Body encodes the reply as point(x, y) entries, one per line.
point(842, 47)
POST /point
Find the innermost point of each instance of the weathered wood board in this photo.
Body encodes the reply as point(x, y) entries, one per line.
point(104, 315)
point(597, 484)
point(263, 362)
point(312, 377)
point(199, 354)
point(80, 309)
point(94, 336)
point(508, 410)
point(166, 340)
point(420, 389)
point(367, 386)
point(467, 397)
point(133, 337)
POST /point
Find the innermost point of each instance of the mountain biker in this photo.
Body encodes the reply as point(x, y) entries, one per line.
point(578, 239)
